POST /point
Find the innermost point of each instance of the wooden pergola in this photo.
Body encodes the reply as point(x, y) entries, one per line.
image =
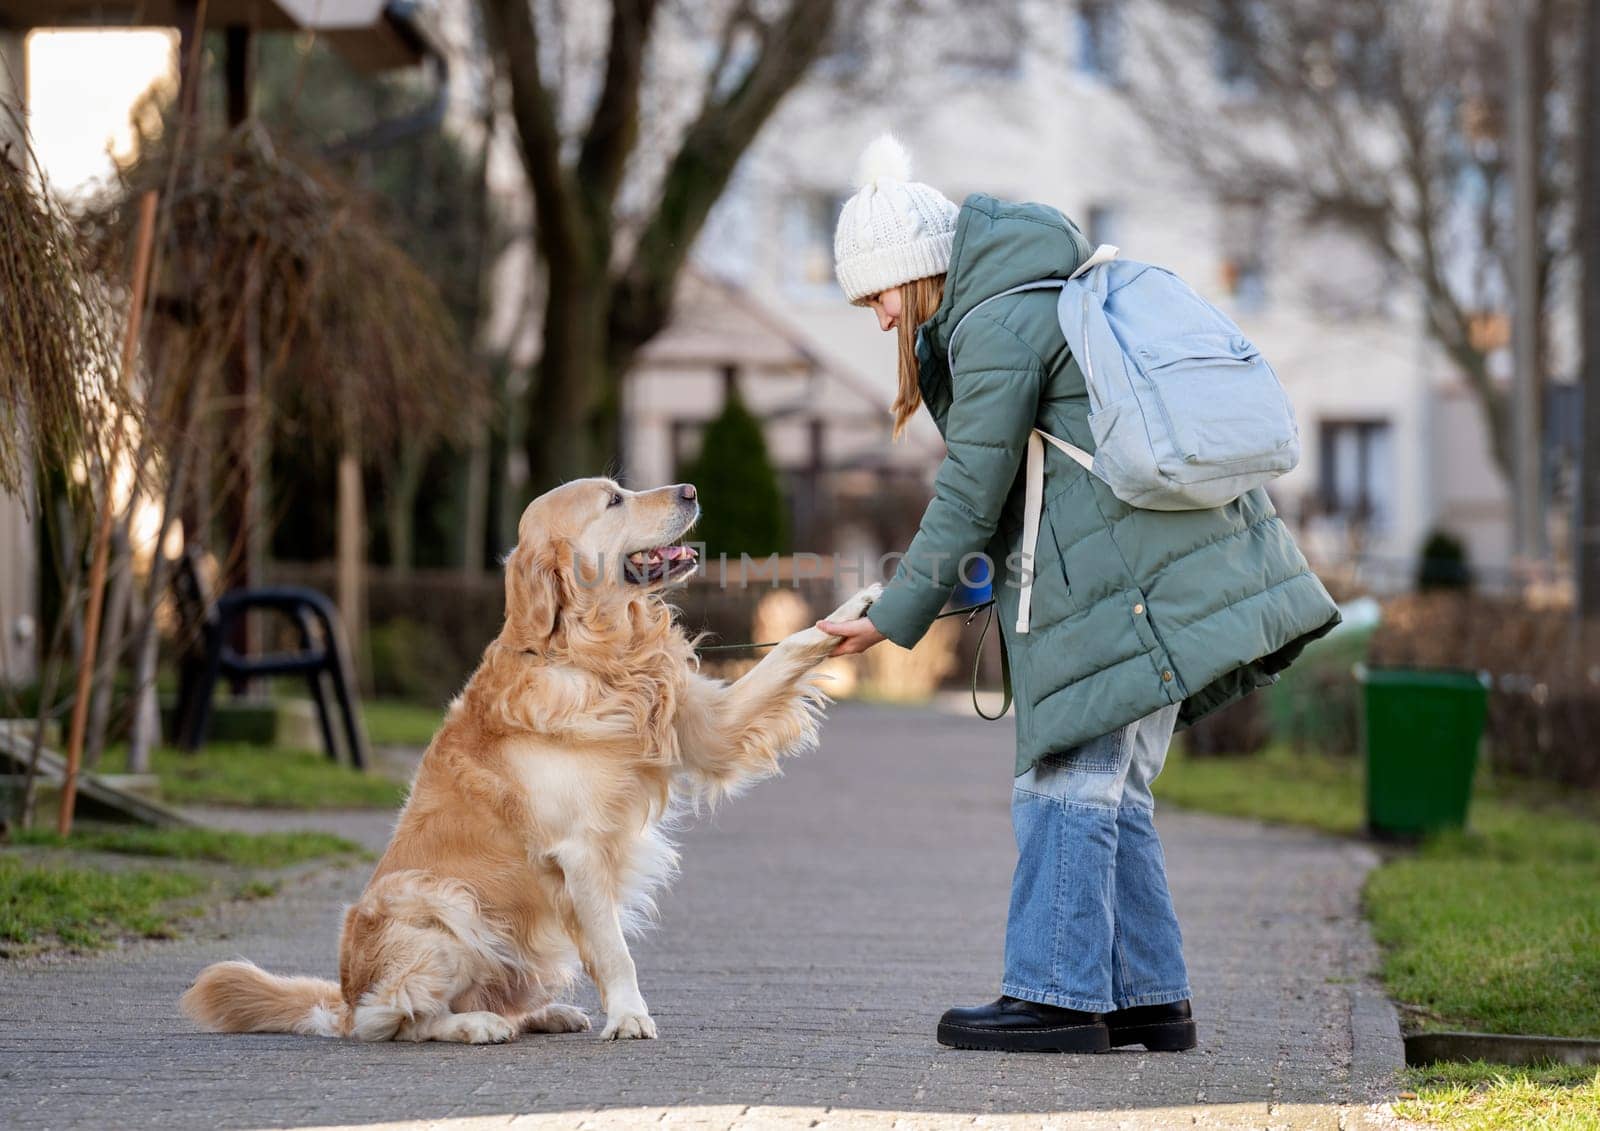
point(374, 35)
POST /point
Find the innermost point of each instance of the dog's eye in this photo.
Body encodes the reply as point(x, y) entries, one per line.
point(616, 500)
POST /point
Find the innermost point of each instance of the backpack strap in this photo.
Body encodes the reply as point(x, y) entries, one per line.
point(1033, 505)
point(1041, 285)
point(1105, 253)
point(1033, 508)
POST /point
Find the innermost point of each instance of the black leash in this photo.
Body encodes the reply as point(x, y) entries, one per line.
point(969, 611)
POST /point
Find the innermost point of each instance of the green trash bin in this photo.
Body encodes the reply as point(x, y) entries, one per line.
point(1422, 729)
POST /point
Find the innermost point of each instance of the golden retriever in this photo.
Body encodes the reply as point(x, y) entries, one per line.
point(532, 838)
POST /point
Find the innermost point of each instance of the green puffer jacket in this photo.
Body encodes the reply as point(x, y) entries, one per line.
point(1132, 609)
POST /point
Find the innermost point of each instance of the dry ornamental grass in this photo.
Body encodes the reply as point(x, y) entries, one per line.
point(57, 353)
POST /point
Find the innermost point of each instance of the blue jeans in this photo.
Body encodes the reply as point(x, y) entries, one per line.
point(1091, 924)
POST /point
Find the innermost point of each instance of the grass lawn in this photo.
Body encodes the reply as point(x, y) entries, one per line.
point(269, 777)
point(243, 850)
point(1485, 1097)
point(1275, 786)
point(392, 722)
point(1496, 929)
point(57, 893)
point(264, 777)
point(85, 908)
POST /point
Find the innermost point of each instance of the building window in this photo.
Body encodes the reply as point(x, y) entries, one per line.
point(1103, 223)
point(1237, 44)
point(1357, 471)
point(1244, 251)
point(1099, 27)
point(808, 223)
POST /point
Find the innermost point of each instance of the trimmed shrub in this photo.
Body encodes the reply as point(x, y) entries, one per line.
point(743, 505)
point(1444, 563)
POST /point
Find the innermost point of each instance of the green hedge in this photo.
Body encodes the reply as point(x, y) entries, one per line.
point(743, 508)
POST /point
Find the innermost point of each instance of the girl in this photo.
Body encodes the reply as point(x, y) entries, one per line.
point(1142, 620)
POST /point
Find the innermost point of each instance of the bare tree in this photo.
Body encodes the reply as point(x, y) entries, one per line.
point(611, 265)
point(1387, 118)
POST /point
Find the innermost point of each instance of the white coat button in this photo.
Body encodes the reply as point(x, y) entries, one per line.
point(1138, 610)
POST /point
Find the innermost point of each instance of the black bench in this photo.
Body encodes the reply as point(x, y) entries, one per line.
point(321, 655)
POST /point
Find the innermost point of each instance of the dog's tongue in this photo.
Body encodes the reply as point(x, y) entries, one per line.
point(674, 553)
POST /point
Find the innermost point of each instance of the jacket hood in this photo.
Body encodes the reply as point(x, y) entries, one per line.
point(999, 245)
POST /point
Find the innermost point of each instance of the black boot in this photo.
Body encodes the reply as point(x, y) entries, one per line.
point(1010, 1024)
point(1159, 1028)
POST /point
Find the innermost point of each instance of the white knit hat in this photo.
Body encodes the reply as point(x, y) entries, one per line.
point(893, 230)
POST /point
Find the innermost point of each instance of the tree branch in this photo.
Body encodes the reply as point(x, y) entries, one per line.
point(615, 124)
point(742, 15)
point(558, 228)
point(1321, 102)
point(698, 174)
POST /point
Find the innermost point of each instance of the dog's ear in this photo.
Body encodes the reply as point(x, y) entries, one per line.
point(536, 594)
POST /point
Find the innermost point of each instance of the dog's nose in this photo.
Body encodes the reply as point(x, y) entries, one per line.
point(686, 492)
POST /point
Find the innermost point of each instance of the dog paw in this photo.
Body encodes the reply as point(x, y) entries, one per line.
point(557, 1019)
point(629, 1027)
point(484, 1029)
point(814, 645)
point(857, 605)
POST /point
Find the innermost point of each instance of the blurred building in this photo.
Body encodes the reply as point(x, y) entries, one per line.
point(1030, 108)
point(1027, 101)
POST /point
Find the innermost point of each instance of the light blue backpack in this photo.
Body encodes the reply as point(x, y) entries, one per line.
point(1185, 412)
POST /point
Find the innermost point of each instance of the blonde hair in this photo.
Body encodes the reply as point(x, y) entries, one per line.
point(919, 299)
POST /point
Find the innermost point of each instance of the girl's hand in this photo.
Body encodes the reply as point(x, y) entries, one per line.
point(855, 636)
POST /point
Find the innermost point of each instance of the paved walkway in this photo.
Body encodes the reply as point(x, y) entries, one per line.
point(821, 924)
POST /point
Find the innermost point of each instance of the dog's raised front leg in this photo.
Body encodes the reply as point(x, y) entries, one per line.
point(590, 889)
point(815, 645)
point(731, 734)
point(776, 680)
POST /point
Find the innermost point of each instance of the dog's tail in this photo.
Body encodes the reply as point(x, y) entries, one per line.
point(240, 997)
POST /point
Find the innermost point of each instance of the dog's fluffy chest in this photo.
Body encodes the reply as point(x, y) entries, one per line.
point(572, 708)
point(576, 792)
point(575, 797)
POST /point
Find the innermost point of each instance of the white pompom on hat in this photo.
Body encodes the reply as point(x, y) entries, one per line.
point(894, 229)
